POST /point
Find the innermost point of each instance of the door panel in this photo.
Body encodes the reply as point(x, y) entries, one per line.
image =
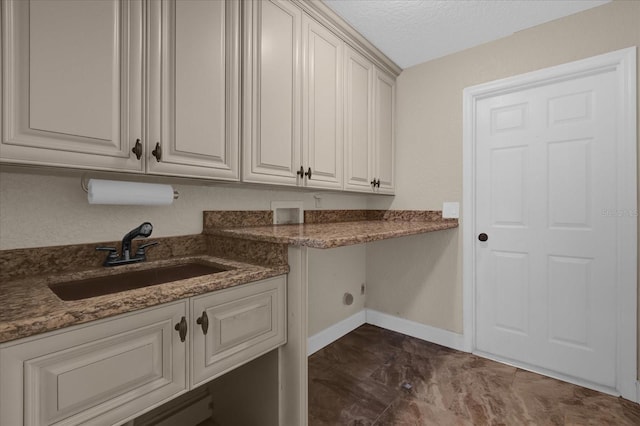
point(323, 116)
point(358, 122)
point(546, 281)
point(194, 89)
point(97, 373)
point(243, 323)
point(72, 98)
point(273, 77)
point(384, 135)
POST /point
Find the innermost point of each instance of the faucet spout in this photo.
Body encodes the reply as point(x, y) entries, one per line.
point(143, 230)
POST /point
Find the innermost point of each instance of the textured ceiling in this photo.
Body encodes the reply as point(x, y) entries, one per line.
point(415, 31)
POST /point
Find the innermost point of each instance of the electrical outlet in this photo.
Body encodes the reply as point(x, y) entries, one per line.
point(450, 210)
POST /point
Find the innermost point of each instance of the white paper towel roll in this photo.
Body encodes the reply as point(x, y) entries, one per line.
point(129, 193)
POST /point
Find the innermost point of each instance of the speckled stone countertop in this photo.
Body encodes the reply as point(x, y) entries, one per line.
point(329, 229)
point(29, 306)
point(244, 241)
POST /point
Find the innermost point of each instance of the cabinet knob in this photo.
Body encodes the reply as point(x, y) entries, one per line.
point(157, 152)
point(181, 328)
point(308, 174)
point(203, 321)
point(137, 149)
point(300, 172)
point(483, 237)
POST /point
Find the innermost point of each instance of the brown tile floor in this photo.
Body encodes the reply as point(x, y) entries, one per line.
point(374, 376)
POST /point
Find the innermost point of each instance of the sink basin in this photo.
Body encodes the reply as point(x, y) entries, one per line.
point(91, 287)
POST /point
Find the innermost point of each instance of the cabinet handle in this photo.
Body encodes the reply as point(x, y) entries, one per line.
point(181, 328)
point(308, 174)
point(373, 183)
point(300, 172)
point(204, 322)
point(378, 183)
point(157, 152)
point(137, 149)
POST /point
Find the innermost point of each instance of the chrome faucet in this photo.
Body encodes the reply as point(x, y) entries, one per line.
point(113, 259)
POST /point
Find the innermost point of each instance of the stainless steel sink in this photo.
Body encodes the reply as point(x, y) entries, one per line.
point(98, 286)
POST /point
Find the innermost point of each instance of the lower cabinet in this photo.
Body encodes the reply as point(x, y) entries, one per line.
point(236, 326)
point(112, 370)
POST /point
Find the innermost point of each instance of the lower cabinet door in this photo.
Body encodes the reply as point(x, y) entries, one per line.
point(99, 374)
point(233, 326)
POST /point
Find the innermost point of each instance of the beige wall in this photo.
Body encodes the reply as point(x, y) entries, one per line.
point(429, 151)
point(332, 273)
point(51, 209)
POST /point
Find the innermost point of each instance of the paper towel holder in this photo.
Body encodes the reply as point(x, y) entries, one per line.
point(84, 183)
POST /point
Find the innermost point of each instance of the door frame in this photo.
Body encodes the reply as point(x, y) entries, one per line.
point(623, 63)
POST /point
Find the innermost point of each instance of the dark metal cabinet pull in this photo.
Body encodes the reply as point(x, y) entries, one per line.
point(375, 183)
point(483, 237)
point(308, 174)
point(300, 172)
point(203, 321)
point(181, 328)
point(157, 152)
point(137, 149)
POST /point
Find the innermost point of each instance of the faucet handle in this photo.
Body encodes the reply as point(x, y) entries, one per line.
point(113, 253)
point(142, 247)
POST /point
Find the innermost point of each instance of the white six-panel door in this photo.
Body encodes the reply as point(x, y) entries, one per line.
point(546, 291)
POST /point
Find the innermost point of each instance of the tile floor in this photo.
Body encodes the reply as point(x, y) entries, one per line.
point(374, 376)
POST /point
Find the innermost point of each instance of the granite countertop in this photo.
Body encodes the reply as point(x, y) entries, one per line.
point(244, 241)
point(330, 235)
point(29, 306)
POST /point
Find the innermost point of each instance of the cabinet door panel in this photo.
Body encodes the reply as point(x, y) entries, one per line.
point(197, 91)
point(99, 373)
point(385, 100)
point(244, 323)
point(358, 122)
point(72, 86)
point(272, 93)
point(323, 107)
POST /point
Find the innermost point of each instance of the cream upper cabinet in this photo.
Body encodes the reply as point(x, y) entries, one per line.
point(358, 115)
point(322, 112)
point(193, 88)
point(72, 83)
point(293, 124)
point(272, 92)
point(384, 102)
point(369, 126)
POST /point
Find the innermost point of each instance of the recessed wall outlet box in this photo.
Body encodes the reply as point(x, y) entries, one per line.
point(450, 210)
point(287, 212)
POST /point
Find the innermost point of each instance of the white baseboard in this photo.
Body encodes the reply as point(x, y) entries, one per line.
point(414, 329)
point(410, 328)
point(638, 391)
point(333, 333)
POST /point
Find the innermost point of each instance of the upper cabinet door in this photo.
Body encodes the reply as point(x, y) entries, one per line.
point(193, 88)
point(358, 115)
point(384, 135)
point(272, 92)
point(322, 125)
point(72, 83)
